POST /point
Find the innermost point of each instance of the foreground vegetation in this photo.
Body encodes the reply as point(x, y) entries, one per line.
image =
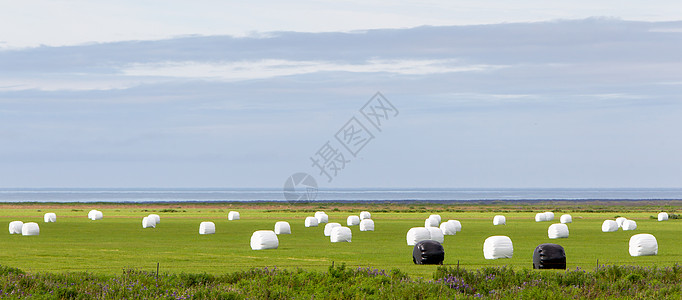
point(340, 282)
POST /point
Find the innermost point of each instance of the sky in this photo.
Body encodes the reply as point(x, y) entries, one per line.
point(217, 94)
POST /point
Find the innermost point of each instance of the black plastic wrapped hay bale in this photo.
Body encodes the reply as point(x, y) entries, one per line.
point(549, 256)
point(428, 253)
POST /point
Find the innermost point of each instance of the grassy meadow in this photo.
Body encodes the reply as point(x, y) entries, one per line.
point(75, 243)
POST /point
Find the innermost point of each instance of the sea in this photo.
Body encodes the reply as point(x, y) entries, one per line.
point(349, 194)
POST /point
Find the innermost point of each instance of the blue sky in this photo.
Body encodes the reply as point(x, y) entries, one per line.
point(224, 95)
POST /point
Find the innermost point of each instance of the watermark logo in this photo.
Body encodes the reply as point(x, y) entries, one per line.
point(348, 142)
point(300, 187)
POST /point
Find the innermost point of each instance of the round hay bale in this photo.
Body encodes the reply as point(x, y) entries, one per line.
point(557, 231)
point(341, 234)
point(620, 221)
point(367, 225)
point(540, 217)
point(431, 221)
point(457, 224)
point(328, 228)
point(233, 216)
point(437, 218)
point(629, 225)
point(499, 220)
point(549, 216)
point(365, 215)
point(353, 221)
point(322, 218)
point(157, 218)
point(148, 222)
point(311, 222)
point(663, 216)
point(448, 228)
point(50, 217)
point(498, 246)
point(609, 226)
point(207, 228)
point(643, 244)
point(282, 227)
point(30, 228)
point(264, 239)
point(565, 219)
point(417, 234)
point(435, 234)
point(15, 227)
point(95, 215)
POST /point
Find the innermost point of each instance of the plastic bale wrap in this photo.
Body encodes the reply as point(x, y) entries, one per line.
point(557, 231)
point(437, 217)
point(457, 224)
point(15, 227)
point(609, 226)
point(565, 219)
point(629, 225)
point(282, 227)
point(365, 215)
point(317, 213)
point(95, 215)
point(643, 244)
point(328, 228)
point(367, 225)
point(549, 256)
point(233, 216)
point(264, 239)
point(417, 234)
point(540, 217)
point(435, 234)
point(148, 222)
point(620, 221)
point(30, 228)
point(311, 222)
point(322, 218)
point(549, 216)
point(353, 221)
point(157, 218)
point(663, 216)
point(448, 228)
point(431, 222)
point(340, 234)
point(498, 246)
point(499, 220)
point(50, 217)
point(428, 253)
point(207, 228)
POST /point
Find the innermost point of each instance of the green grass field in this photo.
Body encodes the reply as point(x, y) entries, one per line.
point(75, 243)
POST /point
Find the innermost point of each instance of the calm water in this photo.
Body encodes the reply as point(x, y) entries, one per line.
point(274, 194)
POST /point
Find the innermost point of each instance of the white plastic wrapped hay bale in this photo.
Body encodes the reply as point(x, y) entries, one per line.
point(322, 218)
point(30, 228)
point(620, 221)
point(431, 222)
point(629, 225)
point(663, 216)
point(157, 218)
point(311, 222)
point(353, 221)
point(317, 213)
point(282, 227)
point(50, 217)
point(435, 234)
point(417, 234)
point(540, 217)
point(643, 244)
point(498, 246)
point(565, 219)
point(264, 239)
point(148, 222)
point(457, 224)
point(499, 220)
point(207, 228)
point(448, 228)
point(365, 215)
point(340, 234)
point(557, 231)
point(437, 217)
point(95, 215)
point(233, 216)
point(549, 216)
point(15, 227)
point(367, 225)
point(328, 228)
point(609, 226)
